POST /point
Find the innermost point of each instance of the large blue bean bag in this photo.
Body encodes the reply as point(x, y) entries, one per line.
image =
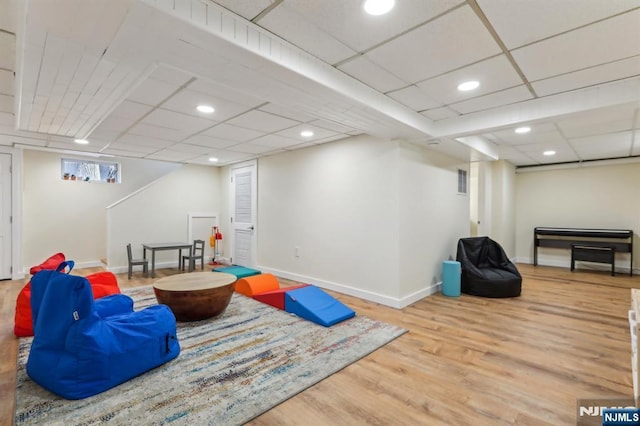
point(82, 347)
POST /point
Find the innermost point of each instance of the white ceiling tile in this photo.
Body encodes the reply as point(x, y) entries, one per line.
point(286, 112)
point(123, 146)
point(540, 132)
point(171, 155)
point(250, 148)
point(234, 133)
point(361, 68)
point(318, 133)
point(226, 156)
point(210, 142)
point(7, 47)
point(611, 145)
point(6, 103)
point(92, 147)
point(187, 100)
point(414, 98)
point(523, 22)
point(158, 132)
point(605, 120)
point(152, 92)
point(606, 41)
point(222, 91)
point(7, 121)
point(186, 124)
point(287, 24)
point(155, 143)
point(170, 75)
point(132, 111)
point(439, 113)
point(588, 77)
point(193, 149)
point(515, 157)
point(442, 47)
point(564, 153)
point(248, 9)
point(539, 146)
point(262, 121)
point(275, 141)
point(503, 97)
point(347, 22)
point(326, 124)
point(493, 74)
point(123, 153)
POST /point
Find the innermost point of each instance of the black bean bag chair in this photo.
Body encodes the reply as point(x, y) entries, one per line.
point(486, 269)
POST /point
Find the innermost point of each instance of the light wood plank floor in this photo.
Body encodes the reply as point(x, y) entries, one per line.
point(465, 360)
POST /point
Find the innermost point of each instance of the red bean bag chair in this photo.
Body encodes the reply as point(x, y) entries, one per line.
point(102, 284)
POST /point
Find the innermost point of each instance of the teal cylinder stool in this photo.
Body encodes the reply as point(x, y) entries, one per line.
point(451, 273)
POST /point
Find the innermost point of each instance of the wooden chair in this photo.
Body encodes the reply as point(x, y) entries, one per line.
point(197, 252)
point(136, 262)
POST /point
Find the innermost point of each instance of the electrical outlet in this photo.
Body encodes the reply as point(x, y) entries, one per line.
point(296, 251)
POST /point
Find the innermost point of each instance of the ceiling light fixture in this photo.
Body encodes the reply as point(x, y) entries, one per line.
point(378, 7)
point(522, 130)
point(207, 109)
point(213, 159)
point(468, 85)
point(549, 153)
point(81, 141)
point(306, 133)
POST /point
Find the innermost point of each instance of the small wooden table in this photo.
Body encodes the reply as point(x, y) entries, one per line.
point(195, 296)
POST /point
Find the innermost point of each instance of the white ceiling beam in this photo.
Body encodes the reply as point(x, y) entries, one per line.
point(606, 95)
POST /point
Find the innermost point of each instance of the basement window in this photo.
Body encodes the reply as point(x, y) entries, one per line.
point(89, 171)
point(462, 181)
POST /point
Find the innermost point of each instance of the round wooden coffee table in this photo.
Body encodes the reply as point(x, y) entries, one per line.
point(196, 295)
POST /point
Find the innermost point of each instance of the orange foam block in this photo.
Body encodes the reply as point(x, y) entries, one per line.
point(275, 298)
point(250, 286)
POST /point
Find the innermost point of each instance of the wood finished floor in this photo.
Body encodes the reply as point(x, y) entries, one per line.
point(465, 361)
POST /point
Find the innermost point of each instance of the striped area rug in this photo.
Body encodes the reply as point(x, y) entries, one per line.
point(231, 369)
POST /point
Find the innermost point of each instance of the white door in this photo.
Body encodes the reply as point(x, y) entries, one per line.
point(5, 216)
point(243, 214)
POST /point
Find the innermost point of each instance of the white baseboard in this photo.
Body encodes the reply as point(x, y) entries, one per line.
point(125, 268)
point(79, 265)
point(621, 269)
point(392, 302)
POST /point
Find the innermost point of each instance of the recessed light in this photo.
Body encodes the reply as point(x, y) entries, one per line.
point(306, 133)
point(378, 7)
point(549, 153)
point(213, 159)
point(207, 109)
point(468, 85)
point(81, 141)
point(523, 130)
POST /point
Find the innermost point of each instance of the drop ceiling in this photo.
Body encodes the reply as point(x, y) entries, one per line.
point(127, 75)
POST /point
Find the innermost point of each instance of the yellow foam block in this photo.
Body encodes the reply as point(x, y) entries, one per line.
point(256, 284)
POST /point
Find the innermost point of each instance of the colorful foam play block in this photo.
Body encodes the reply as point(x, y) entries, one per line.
point(238, 271)
point(250, 286)
point(275, 298)
point(315, 305)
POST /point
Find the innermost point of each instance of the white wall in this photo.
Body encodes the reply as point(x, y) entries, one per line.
point(159, 213)
point(372, 218)
point(338, 203)
point(602, 196)
point(432, 217)
point(69, 216)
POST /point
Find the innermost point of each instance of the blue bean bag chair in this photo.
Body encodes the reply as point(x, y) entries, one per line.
point(82, 347)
